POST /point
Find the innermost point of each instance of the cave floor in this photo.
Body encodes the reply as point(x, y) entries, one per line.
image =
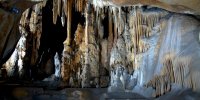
point(33, 93)
point(57, 90)
point(37, 93)
point(53, 90)
point(21, 90)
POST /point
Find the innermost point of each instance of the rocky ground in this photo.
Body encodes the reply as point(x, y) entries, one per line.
point(35, 92)
point(20, 92)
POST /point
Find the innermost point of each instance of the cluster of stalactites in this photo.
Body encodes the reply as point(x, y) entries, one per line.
point(142, 24)
point(176, 70)
point(161, 84)
point(62, 8)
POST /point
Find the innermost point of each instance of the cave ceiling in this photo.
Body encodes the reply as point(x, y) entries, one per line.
point(178, 6)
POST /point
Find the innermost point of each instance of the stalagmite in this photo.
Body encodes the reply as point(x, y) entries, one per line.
point(72, 60)
point(24, 19)
point(44, 3)
point(86, 67)
point(104, 53)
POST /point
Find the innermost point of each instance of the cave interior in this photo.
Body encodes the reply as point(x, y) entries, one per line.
point(99, 49)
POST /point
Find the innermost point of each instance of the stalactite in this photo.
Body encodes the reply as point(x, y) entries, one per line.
point(110, 36)
point(142, 24)
point(59, 9)
point(181, 69)
point(115, 25)
point(76, 5)
point(79, 5)
point(44, 3)
point(97, 19)
point(139, 24)
point(161, 84)
point(168, 66)
point(119, 20)
point(195, 80)
point(69, 18)
point(55, 11)
point(63, 17)
point(136, 31)
point(100, 27)
point(65, 7)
